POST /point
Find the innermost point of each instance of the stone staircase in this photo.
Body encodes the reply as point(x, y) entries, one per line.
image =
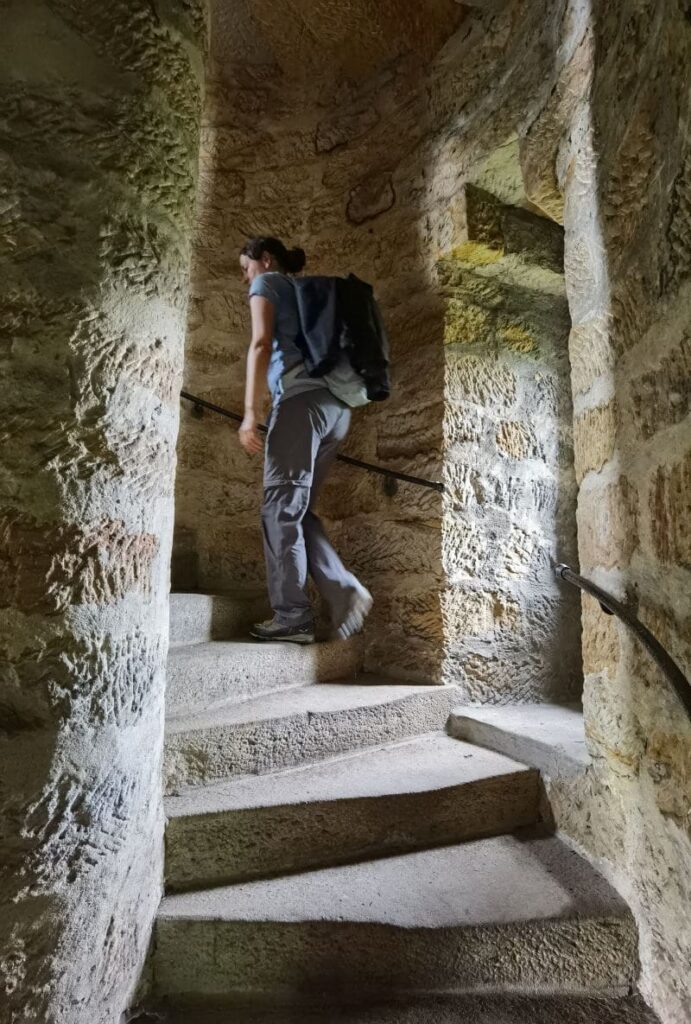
point(334, 855)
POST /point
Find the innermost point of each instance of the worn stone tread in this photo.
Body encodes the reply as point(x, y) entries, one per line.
point(366, 691)
point(550, 737)
point(422, 792)
point(468, 884)
point(204, 673)
point(519, 912)
point(297, 726)
point(472, 1009)
point(434, 761)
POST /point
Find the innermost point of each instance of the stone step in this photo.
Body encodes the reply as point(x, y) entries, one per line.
point(550, 737)
point(197, 618)
point(296, 726)
point(201, 674)
point(514, 913)
point(471, 1009)
point(426, 792)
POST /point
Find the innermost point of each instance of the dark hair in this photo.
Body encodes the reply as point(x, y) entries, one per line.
point(291, 261)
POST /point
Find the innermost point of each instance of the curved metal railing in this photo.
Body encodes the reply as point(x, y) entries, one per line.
point(611, 606)
point(200, 404)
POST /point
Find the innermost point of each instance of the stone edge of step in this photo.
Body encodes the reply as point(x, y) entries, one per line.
point(220, 797)
point(227, 714)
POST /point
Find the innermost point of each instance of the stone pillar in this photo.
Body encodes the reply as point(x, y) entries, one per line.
point(99, 139)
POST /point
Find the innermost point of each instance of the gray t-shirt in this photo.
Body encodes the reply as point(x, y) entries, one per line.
point(287, 375)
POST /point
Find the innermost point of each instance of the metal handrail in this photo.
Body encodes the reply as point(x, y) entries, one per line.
point(611, 606)
point(201, 403)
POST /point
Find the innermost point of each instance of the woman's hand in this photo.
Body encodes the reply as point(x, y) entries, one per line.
point(249, 435)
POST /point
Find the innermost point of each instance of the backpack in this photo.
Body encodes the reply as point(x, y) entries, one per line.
point(340, 314)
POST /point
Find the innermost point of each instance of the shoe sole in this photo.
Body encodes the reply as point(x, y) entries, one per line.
point(304, 639)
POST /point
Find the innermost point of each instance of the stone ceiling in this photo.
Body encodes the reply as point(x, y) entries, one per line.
point(327, 40)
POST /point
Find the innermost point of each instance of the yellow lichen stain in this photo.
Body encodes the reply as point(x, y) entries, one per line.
point(465, 324)
point(518, 339)
point(476, 253)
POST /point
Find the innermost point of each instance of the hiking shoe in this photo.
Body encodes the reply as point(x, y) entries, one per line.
point(272, 630)
point(358, 610)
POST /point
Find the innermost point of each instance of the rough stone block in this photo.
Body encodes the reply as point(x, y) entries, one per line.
point(662, 397)
point(47, 568)
point(601, 639)
point(463, 424)
point(670, 512)
point(611, 724)
point(395, 547)
point(523, 552)
point(473, 613)
point(410, 432)
point(590, 352)
point(517, 440)
point(594, 438)
point(485, 382)
point(517, 338)
point(466, 324)
point(464, 550)
point(607, 524)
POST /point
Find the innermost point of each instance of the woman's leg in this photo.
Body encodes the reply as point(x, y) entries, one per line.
point(292, 444)
point(347, 600)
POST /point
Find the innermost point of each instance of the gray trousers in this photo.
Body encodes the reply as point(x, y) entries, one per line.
point(304, 434)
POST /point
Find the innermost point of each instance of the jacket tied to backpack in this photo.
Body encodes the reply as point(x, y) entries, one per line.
point(340, 314)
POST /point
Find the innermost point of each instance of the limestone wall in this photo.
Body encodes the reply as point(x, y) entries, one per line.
point(99, 139)
point(364, 172)
point(625, 170)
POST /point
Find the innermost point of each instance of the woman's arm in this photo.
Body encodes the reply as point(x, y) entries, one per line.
point(258, 355)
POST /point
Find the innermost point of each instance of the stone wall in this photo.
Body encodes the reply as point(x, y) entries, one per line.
point(363, 172)
point(614, 138)
point(98, 142)
point(306, 179)
point(510, 501)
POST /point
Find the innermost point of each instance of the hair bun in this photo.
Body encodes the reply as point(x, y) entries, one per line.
point(296, 260)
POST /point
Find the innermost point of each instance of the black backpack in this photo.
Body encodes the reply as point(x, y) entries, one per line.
point(340, 314)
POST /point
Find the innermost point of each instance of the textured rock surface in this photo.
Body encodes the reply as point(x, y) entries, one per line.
point(509, 508)
point(98, 143)
point(307, 723)
point(425, 792)
point(199, 618)
point(474, 1009)
point(199, 674)
point(516, 912)
point(550, 737)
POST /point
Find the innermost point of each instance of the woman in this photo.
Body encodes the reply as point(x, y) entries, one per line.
point(309, 419)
